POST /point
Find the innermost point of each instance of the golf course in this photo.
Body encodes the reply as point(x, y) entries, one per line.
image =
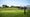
point(11, 12)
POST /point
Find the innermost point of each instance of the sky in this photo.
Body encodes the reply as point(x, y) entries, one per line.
point(15, 2)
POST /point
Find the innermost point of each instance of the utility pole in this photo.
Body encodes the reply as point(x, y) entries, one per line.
point(25, 10)
point(25, 15)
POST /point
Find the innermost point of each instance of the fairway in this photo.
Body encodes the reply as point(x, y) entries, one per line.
point(11, 10)
point(11, 13)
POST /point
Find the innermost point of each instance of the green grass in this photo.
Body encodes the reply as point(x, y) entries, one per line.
point(28, 13)
point(12, 12)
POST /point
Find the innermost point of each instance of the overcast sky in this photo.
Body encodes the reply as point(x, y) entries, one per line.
point(15, 2)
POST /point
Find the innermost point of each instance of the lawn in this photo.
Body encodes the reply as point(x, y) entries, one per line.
point(28, 13)
point(11, 12)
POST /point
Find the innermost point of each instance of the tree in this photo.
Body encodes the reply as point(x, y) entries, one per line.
point(22, 7)
point(0, 7)
point(12, 6)
point(5, 6)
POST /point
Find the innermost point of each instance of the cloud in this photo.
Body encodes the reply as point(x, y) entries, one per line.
point(15, 2)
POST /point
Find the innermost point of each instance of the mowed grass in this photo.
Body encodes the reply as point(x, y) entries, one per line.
point(28, 13)
point(11, 12)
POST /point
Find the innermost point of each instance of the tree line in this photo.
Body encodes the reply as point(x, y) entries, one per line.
point(5, 6)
